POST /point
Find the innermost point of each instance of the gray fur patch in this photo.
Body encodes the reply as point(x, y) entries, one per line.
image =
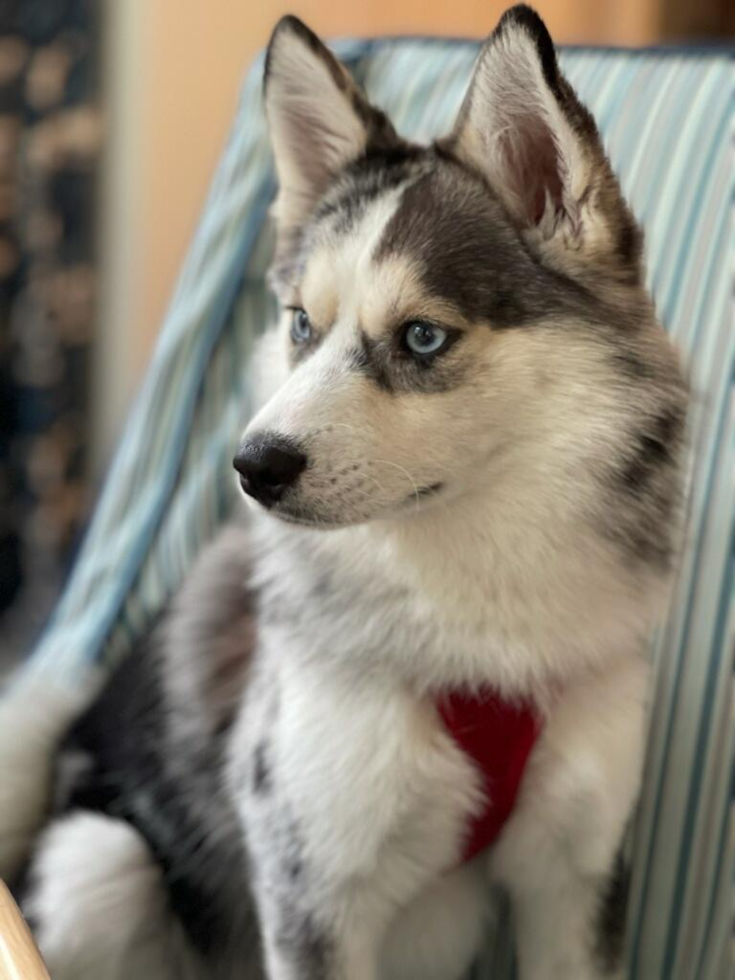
point(454, 229)
point(631, 365)
point(653, 448)
point(303, 943)
point(261, 770)
point(647, 478)
point(610, 924)
point(364, 182)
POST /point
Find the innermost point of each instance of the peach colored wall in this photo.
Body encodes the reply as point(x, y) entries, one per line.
point(174, 71)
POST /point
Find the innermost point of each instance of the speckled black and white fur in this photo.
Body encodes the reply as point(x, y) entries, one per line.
point(279, 798)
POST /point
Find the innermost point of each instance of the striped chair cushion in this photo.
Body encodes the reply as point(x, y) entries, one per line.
point(667, 120)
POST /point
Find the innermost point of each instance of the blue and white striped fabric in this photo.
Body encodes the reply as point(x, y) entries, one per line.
point(667, 120)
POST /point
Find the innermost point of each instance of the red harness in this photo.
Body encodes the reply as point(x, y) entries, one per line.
point(498, 737)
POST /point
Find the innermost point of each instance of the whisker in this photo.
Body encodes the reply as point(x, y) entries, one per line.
point(389, 462)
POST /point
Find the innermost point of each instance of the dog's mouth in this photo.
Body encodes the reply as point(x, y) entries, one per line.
point(429, 491)
point(302, 518)
point(291, 511)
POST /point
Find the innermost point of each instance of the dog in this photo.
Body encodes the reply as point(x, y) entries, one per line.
point(414, 668)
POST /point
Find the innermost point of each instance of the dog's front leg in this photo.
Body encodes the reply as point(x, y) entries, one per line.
point(322, 914)
point(304, 944)
point(335, 782)
point(558, 854)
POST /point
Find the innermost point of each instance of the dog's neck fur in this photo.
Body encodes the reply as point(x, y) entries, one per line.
point(508, 595)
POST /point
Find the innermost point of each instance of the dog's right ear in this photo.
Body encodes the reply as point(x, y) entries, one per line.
point(319, 120)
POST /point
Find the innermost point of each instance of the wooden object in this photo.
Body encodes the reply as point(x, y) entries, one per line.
point(19, 956)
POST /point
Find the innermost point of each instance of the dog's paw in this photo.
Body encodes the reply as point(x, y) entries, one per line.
point(96, 902)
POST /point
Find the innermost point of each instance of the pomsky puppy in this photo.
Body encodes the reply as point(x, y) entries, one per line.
point(417, 665)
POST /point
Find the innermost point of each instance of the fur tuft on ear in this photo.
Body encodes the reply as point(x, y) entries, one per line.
point(524, 129)
point(319, 120)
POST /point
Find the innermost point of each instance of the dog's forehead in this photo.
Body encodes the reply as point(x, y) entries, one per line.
point(342, 280)
point(403, 236)
point(449, 224)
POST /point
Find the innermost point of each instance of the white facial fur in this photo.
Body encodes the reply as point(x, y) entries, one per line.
point(512, 414)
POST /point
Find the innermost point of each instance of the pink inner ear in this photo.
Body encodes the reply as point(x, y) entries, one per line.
point(534, 166)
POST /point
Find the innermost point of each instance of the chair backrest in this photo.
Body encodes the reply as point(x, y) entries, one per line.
point(667, 120)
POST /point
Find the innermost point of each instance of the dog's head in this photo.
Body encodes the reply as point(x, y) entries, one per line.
point(455, 318)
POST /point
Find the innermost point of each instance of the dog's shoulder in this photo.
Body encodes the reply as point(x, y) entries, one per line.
point(209, 634)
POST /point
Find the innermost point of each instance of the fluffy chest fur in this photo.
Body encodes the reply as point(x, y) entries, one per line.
point(358, 733)
point(492, 595)
point(347, 753)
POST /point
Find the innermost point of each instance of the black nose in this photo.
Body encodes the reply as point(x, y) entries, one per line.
point(268, 466)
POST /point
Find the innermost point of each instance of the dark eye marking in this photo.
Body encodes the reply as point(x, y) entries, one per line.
point(396, 368)
point(369, 360)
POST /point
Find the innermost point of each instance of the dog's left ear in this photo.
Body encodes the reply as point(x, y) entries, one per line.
point(524, 129)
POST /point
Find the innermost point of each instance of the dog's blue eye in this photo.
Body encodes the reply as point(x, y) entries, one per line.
point(300, 327)
point(424, 338)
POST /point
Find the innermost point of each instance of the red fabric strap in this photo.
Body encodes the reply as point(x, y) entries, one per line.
point(498, 736)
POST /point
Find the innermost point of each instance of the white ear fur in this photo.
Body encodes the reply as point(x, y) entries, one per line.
point(523, 128)
point(513, 128)
point(511, 113)
point(319, 120)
